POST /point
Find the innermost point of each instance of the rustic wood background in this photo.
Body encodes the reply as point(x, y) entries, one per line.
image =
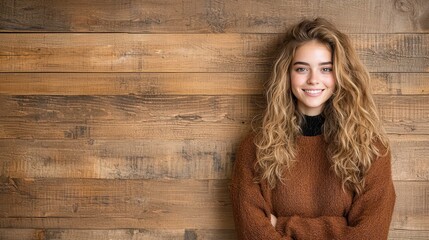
point(120, 118)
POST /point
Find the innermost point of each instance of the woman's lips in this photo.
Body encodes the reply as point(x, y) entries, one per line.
point(313, 92)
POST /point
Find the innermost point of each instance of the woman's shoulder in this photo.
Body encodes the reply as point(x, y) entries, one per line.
point(246, 151)
point(382, 161)
point(248, 142)
point(244, 161)
point(382, 146)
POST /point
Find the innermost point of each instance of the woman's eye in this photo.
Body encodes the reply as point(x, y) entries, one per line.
point(327, 69)
point(300, 69)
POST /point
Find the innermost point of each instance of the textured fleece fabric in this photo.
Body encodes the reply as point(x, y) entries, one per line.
point(311, 204)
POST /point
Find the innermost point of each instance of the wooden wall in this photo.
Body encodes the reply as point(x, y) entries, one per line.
point(119, 119)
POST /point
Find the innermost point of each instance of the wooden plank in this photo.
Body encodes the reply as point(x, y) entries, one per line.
point(220, 222)
point(151, 204)
point(161, 130)
point(149, 159)
point(210, 234)
point(166, 130)
point(136, 52)
point(398, 234)
point(411, 211)
point(148, 84)
point(136, 108)
point(125, 234)
point(63, 234)
point(409, 158)
point(192, 16)
point(167, 204)
point(178, 83)
point(393, 52)
point(189, 52)
point(148, 234)
point(400, 83)
point(18, 234)
point(107, 117)
point(129, 159)
point(404, 114)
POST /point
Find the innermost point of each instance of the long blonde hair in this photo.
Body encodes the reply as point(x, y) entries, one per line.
point(351, 126)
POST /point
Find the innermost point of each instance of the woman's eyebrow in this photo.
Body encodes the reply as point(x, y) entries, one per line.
point(304, 63)
point(301, 63)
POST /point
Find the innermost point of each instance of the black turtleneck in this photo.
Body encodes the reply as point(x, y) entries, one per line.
point(312, 125)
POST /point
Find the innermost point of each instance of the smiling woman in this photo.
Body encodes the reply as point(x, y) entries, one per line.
point(312, 79)
point(318, 166)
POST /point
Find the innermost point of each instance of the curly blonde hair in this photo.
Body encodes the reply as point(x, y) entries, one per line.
point(351, 126)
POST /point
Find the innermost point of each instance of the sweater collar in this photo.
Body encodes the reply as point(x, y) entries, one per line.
point(312, 125)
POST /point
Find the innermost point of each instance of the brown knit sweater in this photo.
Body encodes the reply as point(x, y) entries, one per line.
point(311, 204)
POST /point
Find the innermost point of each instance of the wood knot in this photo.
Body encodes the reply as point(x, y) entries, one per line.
point(404, 5)
point(78, 132)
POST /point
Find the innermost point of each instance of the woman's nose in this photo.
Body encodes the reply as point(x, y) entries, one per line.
point(312, 78)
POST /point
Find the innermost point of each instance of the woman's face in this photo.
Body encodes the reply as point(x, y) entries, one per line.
point(312, 78)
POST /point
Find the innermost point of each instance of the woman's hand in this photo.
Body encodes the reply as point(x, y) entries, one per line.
point(273, 220)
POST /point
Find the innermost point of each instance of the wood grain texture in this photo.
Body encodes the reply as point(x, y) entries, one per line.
point(19, 234)
point(403, 109)
point(411, 206)
point(123, 117)
point(150, 204)
point(135, 108)
point(409, 157)
point(404, 114)
point(120, 119)
point(156, 84)
point(205, 204)
point(148, 84)
point(134, 159)
point(161, 130)
point(162, 159)
point(189, 52)
point(192, 16)
point(399, 234)
point(166, 130)
point(148, 234)
point(116, 234)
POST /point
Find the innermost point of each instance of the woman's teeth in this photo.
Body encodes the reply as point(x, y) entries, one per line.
point(312, 91)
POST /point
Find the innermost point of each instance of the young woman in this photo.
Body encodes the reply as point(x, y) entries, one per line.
point(318, 166)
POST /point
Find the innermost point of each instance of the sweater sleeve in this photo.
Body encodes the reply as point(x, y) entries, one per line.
point(250, 210)
point(369, 216)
